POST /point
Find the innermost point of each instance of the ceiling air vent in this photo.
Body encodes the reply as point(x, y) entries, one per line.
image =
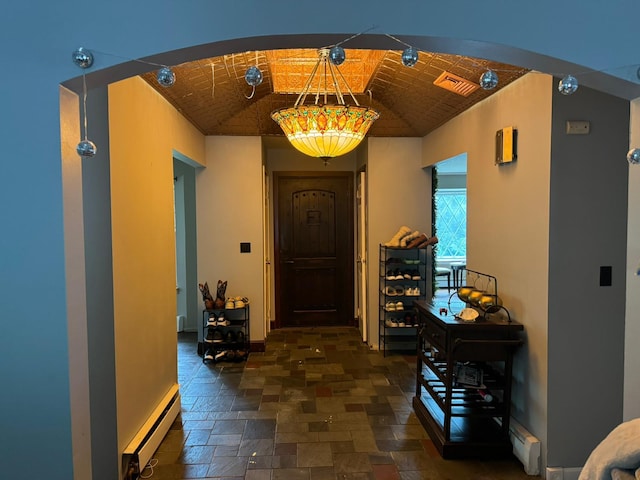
point(456, 84)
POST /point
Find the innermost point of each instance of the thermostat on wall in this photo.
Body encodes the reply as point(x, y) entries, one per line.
point(506, 145)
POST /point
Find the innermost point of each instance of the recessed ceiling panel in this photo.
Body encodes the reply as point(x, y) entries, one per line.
point(292, 68)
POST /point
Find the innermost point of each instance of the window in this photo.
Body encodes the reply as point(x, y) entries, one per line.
point(451, 223)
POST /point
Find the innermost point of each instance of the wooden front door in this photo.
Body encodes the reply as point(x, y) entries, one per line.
point(314, 249)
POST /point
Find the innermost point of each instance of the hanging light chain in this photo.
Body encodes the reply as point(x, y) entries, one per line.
point(84, 105)
point(332, 72)
point(83, 58)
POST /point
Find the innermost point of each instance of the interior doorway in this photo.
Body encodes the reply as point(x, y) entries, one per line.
point(313, 248)
point(187, 316)
point(179, 231)
point(450, 198)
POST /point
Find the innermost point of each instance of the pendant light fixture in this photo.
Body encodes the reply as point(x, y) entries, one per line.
point(325, 130)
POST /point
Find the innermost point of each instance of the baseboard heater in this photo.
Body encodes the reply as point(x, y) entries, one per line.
point(526, 447)
point(137, 454)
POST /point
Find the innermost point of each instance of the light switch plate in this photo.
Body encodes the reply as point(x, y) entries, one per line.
point(577, 127)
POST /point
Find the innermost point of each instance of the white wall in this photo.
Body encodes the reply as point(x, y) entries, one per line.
point(508, 220)
point(144, 130)
point(632, 317)
point(229, 211)
point(398, 194)
point(76, 297)
point(587, 230)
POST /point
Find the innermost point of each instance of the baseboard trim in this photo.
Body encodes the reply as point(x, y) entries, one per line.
point(354, 323)
point(253, 347)
point(562, 473)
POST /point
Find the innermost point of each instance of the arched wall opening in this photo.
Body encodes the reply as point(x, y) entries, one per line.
point(598, 79)
point(101, 78)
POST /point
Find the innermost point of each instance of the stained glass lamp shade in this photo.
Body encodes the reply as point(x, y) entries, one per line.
point(325, 130)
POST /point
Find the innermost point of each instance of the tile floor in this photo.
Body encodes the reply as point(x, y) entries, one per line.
point(317, 404)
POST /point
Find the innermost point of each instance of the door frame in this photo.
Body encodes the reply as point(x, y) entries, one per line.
point(276, 235)
point(266, 239)
point(187, 258)
point(362, 268)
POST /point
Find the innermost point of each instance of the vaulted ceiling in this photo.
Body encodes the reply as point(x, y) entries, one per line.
point(213, 94)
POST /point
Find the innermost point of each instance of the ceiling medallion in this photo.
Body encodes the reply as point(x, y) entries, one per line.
point(325, 130)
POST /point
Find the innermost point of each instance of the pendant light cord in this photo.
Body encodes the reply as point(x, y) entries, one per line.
point(84, 104)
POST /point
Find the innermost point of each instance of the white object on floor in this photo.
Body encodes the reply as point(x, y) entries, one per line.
point(620, 449)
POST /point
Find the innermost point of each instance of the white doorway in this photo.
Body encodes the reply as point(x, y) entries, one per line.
point(266, 242)
point(187, 315)
point(181, 270)
point(361, 242)
point(450, 197)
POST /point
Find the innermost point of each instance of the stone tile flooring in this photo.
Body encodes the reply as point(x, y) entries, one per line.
point(317, 404)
